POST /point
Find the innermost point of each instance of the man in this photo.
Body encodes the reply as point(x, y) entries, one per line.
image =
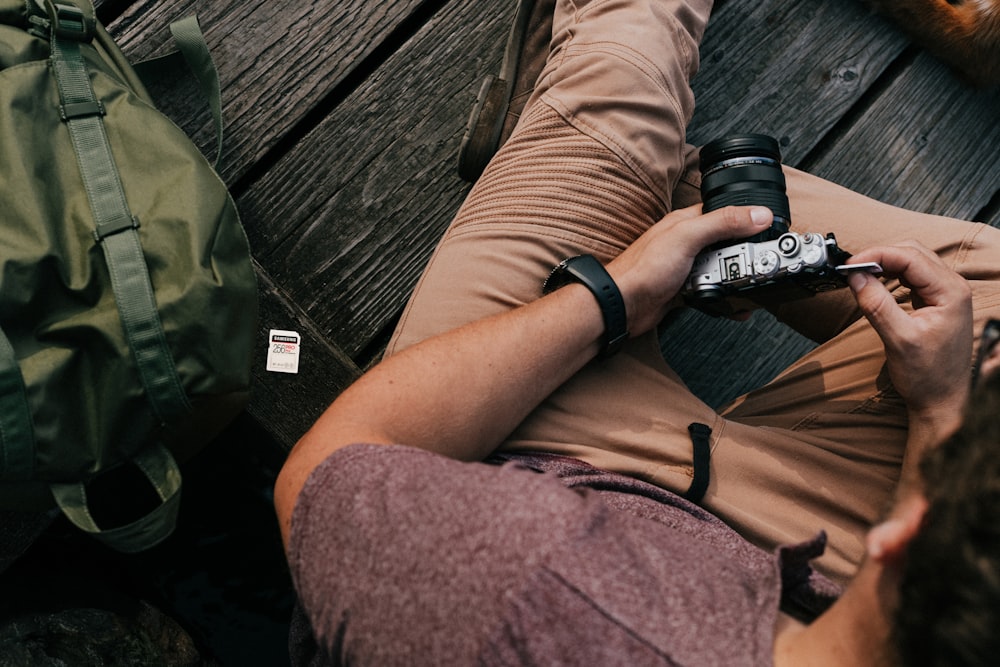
point(406, 549)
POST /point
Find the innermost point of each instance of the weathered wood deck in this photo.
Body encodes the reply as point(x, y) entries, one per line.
point(344, 118)
point(343, 122)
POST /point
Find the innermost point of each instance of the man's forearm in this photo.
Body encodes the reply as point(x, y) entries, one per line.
point(459, 394)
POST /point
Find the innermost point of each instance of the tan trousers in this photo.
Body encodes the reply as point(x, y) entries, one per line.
point(600, 155)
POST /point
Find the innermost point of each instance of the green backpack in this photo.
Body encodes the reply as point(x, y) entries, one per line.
point(127, 294)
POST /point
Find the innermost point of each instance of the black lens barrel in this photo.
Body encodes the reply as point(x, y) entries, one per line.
point(744, 170)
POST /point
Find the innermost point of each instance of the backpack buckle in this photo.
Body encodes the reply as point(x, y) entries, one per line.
point(70, 22)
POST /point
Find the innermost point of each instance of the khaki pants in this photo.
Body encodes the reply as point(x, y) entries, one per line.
point(600, 155)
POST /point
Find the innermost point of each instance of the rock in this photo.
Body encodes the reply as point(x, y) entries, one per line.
point(97, 638)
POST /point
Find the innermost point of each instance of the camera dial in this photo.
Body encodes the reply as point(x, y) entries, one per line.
point(788, 244)
point(766, 264)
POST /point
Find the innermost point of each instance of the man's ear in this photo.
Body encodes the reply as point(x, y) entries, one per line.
point(886, 542)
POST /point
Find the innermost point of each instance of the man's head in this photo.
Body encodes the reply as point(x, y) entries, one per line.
point(949, 604)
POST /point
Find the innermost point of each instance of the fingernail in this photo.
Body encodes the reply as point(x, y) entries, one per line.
point(761, 216)
point(857, 280)
point(874, 548)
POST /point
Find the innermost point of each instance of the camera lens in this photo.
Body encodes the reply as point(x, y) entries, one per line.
point(743, 170)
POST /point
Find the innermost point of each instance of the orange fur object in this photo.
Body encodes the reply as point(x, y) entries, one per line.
point(965, 34)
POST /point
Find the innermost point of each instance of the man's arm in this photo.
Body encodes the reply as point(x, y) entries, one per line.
point(928, 351)
point(460, 394)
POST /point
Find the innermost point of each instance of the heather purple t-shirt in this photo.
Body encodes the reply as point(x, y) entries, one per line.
point(402, 557)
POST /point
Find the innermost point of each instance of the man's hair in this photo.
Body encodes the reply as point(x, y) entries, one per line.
point(949, 607)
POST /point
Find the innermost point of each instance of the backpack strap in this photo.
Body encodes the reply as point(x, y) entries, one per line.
point(193, 50)
point(116, 227)
point(116, 231)
point(160, 468)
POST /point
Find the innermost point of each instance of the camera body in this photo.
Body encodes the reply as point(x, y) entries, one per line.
point(771, 267)
point(746, 275)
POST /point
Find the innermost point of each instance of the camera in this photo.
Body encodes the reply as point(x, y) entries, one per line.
point(773, 266)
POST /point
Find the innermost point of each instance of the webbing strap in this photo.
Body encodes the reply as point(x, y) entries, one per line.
point(17, 438)
point(115, 227)
point(160, 469)
point(193, 49)
point(191, 43)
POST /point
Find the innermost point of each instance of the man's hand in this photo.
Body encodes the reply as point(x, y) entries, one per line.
point(929, 349)
point(652, 270)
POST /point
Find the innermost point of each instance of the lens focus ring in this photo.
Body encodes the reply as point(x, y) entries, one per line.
point(745, 170)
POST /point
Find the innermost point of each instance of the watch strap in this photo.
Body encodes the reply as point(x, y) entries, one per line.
point(588, 271)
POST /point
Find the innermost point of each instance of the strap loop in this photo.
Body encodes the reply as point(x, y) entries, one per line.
point(193, 51)
point(86, 109)
point(702, 446)
point(161, 470)
point(108, 227)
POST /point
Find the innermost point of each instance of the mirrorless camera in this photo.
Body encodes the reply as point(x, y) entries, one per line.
point(773, 266)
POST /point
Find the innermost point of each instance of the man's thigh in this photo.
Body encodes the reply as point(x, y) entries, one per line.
point(591, 165)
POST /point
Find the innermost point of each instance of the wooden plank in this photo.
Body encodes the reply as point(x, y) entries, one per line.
point(286, 405)
point(277, 61)
point(348, 219)
point(928, 143)
point(787, 69)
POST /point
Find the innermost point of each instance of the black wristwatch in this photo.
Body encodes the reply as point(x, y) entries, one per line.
point(586, 269)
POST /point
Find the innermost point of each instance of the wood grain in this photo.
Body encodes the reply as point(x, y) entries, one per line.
point(277, 60)
point(347, 220)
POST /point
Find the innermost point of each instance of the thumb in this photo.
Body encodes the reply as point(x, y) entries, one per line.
point(859, 280)
point(731, 222)
point(875, 301)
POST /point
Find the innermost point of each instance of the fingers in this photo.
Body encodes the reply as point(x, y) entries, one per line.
point(931, 281)
point(731, 222)
point(651, 271)
point(927, 349)
point(918, 268)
